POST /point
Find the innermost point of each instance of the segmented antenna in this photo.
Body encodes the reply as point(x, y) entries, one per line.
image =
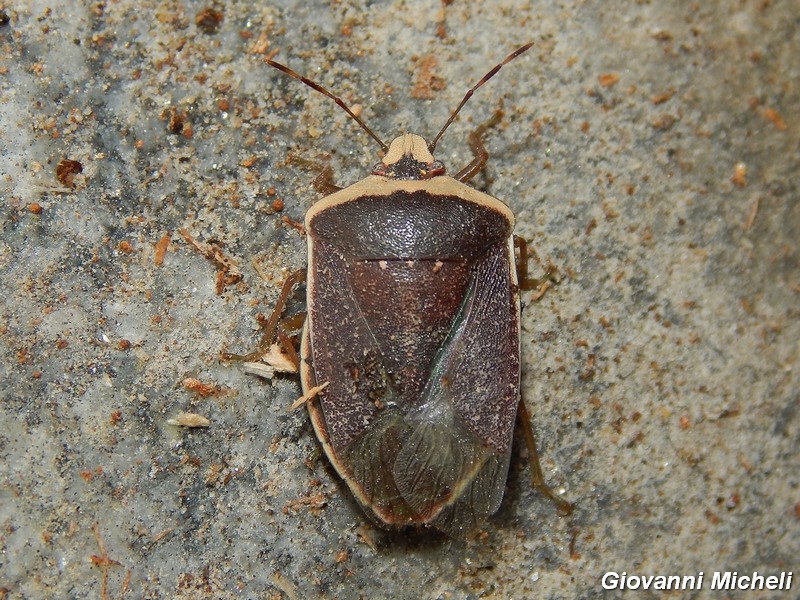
point(315, 86)
point(468, 95)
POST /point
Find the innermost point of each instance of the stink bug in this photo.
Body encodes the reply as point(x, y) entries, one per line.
point(410, 353)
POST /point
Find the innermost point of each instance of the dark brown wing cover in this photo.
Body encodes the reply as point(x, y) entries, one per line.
point(413, 322)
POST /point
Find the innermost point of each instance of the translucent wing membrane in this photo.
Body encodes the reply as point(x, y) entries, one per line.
point(446, 471)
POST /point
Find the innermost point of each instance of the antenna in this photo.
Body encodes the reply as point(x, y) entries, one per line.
point(468, 95)
point(315, 86)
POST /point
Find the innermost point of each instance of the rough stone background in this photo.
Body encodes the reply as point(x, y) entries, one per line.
point(651, 153)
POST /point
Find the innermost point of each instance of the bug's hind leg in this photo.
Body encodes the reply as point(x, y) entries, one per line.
point(537, 477)
point(479, 152)
point(524, 417)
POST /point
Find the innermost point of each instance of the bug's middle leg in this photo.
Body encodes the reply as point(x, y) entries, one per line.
point(525, 281)
point(275, 341)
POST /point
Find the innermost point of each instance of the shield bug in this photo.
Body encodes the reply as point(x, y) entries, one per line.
point(410, 353)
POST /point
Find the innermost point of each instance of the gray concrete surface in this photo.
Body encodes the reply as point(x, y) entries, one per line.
point(650, 151)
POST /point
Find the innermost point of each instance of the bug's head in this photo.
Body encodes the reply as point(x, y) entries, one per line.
point(408, 157)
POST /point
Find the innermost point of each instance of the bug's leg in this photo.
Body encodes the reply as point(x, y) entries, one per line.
point(288, 347)
point(537, 477)
point(522, 259)
point(525, 282)
point(271, 326)
point(479, 152)
point(275, 343)
point(323, 182)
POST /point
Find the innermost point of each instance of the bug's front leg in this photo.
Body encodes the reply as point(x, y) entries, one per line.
point(478, 149)
point(323, 183)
